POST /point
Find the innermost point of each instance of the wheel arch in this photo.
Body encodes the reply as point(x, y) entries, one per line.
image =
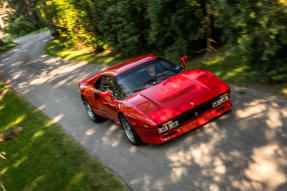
point(83, 97)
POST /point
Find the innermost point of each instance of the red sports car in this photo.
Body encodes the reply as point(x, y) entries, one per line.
point(153, 99)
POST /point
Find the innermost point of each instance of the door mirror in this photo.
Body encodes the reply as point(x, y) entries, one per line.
point(107, 95)
point(184, 61)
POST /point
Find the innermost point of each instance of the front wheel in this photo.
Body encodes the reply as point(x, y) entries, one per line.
point(91, 114)
point(129, 131)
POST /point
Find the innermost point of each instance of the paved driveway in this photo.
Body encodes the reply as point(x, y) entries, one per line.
point(245, 149)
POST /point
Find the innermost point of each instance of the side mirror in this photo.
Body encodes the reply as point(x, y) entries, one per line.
point(184, 61)
point(107, 95)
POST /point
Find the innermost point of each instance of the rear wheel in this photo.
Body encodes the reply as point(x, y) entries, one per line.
point(90, 112)
point(129, 131)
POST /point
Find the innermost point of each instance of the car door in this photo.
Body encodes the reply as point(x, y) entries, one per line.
point(103, 95)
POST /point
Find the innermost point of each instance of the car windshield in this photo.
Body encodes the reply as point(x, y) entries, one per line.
point(146, 75)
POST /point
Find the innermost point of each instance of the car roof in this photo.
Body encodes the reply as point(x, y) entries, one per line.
point(127, 65)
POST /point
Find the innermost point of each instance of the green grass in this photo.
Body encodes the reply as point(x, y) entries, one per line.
point(7, 46)
point(55, 48)
point(232, 69)
point(42, 156)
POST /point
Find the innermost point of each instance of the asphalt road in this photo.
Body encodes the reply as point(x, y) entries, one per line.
point(245, 149)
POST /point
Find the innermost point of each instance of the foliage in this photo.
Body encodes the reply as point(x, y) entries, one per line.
point(131, 27)
point(259, 30)
point(2, 43)
point(42, 156)
point(20, 27)
point(24, 17)
point(6, 45)
point(174, 28)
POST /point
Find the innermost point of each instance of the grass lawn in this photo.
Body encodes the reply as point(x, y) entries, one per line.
point(225, 64)
point(55, 48)
point(232, 69)
point(42, 156)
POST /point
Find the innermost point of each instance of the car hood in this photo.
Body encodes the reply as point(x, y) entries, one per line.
point(178, 94)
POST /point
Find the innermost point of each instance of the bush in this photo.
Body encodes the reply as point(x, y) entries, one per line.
point(131, 27)
point(173, 28)
point(259, 30)
point(20, 26)
point(25, 17)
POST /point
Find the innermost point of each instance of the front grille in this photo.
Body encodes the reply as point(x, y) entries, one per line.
point(195, 112)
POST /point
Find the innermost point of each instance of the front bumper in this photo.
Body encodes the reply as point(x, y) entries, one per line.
point(152, 136)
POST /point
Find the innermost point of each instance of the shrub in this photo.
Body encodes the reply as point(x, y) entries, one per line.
point(131, 27)
point(24, 18)
point(259, 30)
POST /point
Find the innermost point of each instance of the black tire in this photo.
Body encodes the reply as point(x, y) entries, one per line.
point(95, 118)
point(129, 131)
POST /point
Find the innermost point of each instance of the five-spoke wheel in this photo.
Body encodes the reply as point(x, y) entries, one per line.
point(129, 131)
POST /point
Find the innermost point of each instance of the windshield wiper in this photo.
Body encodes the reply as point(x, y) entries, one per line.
point(155, 78)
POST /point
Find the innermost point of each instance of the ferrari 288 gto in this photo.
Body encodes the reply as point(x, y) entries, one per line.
point(153, 99)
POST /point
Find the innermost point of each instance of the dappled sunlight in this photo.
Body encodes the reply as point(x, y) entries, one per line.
point(41, 107)
point(90, 132)
point(64, 82)
point(43, 56)
point(159, 184)
point(145, 180)
point(4, 170)
point(113, 136)
point(111, 129)
point(54, 120)
point(49, 123)
point(253, 109)
point(284, 113)
point(106, 57)
point(108, 60)
point(20, 161)
point(230, 157)
point(284, 2)
point(17, 75)
point(274, 118)
point(18, 63)
point(266, 166)
point(201, 153)
point(3, 93)
point(176, 173)
point(56, 73)
point(38, 134)
point(34, 183)
point(58, 118)
point(15, 122)
point(133, 149)
point(75, 180)
point(235, 72)
point(215, 60)
point(2, 107)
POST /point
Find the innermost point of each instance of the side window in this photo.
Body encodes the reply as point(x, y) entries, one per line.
point(105, 83)
point(118, 91)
